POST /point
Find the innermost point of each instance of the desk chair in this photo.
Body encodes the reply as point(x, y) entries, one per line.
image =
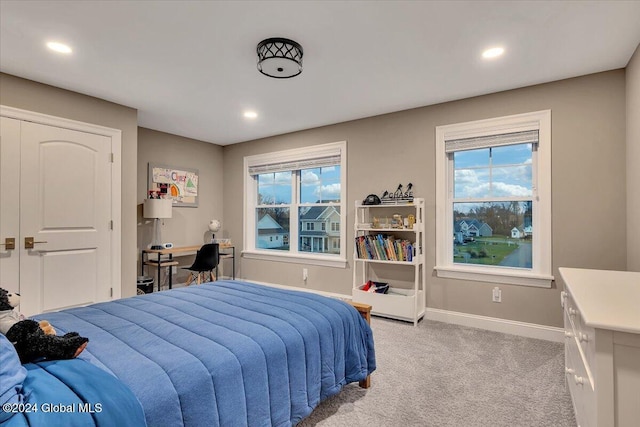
point(206, 261)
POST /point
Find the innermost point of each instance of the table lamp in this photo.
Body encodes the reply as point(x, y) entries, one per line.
point(214, 225)
point(157, 209)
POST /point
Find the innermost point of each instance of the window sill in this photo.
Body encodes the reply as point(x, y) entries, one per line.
point(324, 261)
point(478, 274)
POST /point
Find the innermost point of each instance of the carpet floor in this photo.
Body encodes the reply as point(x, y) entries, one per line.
point(439, 374)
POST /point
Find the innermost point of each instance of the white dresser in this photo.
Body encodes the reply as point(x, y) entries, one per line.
point(602, 346)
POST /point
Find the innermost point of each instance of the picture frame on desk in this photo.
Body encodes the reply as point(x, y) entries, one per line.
point(224, 243)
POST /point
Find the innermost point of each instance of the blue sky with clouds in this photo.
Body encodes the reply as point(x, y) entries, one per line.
point(315, 184)
point(494, 172)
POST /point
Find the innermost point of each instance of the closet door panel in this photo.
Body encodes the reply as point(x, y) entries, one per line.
point(65, 188)
point(9, 203)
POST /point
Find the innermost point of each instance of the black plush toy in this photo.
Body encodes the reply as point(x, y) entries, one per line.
point(29, 338)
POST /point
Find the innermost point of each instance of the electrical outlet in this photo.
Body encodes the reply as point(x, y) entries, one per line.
point(305, 274)
point(497, 294)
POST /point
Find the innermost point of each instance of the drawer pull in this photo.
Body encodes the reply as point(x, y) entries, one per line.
point(569, 371)
point(578, 380)
point(583, 337)
point(568, 334)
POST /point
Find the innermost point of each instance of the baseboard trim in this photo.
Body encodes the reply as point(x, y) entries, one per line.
point(296, 288)
point(513, 327)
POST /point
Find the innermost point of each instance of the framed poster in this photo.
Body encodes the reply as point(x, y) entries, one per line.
point(178, 184)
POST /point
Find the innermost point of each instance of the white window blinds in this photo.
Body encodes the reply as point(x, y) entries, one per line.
point(295, 164)
point(461, 144)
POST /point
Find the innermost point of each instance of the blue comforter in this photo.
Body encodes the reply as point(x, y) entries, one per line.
point(227, 353)
point(72, 393)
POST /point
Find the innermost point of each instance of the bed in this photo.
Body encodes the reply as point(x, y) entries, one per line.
point(227, 353)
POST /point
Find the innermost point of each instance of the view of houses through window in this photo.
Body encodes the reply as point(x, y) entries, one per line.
point(493, 195)
point(303, 203)
point(492, 206)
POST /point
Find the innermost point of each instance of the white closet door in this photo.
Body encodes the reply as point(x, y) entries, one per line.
point(65, 206)
point(9, 203)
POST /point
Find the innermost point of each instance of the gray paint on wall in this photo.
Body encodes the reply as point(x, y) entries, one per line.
point(28, 95)
point(633, 161)
point(590, 199)
point(188, 224)
point(588, 187)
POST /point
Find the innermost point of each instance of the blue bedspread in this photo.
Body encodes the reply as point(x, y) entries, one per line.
point(228, 353)
point(73, 393)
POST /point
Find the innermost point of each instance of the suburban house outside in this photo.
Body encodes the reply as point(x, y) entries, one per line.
point(517, 233)
point(320, 230)
point(271, 235)
point(467, 228)
point(521, 232)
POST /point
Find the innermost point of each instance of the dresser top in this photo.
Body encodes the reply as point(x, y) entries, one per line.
point(606, 299)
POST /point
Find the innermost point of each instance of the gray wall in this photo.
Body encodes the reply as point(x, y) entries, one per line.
point(633, 161)
point(590, 199)
point(588, 175)
point(28, 95)
point(187, 225)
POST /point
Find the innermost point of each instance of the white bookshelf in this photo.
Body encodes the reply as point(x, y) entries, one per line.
point(402, 302)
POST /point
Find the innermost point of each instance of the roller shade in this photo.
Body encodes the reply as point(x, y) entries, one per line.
point(317, 162)
point(462, 144)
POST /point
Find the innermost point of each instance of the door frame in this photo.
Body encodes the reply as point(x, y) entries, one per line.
point(116, 176)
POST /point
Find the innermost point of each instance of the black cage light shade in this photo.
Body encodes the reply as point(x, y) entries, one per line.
point(279, 58)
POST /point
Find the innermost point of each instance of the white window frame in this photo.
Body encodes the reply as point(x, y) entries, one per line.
point(540, 275)
point(250, 250)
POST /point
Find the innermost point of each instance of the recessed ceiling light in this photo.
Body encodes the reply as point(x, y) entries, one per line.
point(250, 114)
point(494, 52)
point(59, 47)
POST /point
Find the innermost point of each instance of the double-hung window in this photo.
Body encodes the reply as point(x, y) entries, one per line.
point(493, 197)
point(290, 198)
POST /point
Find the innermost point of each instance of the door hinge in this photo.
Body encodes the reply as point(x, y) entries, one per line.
point(111, 157)
point(111, 225)
point(111, 292)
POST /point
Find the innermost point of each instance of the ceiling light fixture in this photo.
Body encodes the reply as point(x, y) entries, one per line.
point(494, 52)
point(279, 58)
point(59, 47)
point(250, 114)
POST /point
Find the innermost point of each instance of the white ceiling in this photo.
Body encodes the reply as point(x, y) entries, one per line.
point(189, 67)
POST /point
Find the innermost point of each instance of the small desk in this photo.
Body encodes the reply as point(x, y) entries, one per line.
point(182, 250)
point(225, 254)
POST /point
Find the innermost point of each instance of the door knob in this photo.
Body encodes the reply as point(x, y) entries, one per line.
point(9, 243)
point(29, 242)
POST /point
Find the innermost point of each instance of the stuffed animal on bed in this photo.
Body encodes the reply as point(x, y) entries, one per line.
point(34, 340)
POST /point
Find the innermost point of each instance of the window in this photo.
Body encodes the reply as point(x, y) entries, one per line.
point(493, 198)
point(290, 196)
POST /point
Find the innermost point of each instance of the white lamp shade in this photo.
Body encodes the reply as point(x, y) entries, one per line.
point(157, 208)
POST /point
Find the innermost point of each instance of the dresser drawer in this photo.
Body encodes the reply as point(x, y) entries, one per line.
point(580, 384)
point(583, 334)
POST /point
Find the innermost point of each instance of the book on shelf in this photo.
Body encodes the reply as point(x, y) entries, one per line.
point(384, 247)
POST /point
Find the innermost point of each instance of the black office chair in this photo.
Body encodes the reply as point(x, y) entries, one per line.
point(206, 261)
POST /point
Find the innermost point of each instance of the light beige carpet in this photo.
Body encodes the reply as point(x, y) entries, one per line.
point(439, 374)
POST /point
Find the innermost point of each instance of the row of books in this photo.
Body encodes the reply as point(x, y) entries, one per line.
point(384, 247)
